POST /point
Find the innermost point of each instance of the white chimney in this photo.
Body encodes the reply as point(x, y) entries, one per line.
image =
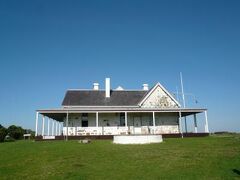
point(107, 87)
point(145, 87)
point(95, 86)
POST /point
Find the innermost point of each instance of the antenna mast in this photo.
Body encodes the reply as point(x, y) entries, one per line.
point(184, 103)
point(183, 96)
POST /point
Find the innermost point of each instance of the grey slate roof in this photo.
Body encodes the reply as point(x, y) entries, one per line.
point(97, 98)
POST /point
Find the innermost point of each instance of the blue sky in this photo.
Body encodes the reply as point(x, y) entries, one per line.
point(47, 47)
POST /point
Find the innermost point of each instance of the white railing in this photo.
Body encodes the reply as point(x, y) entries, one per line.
point(119, 130)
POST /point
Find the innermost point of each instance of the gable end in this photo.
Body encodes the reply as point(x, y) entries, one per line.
point(159, 97)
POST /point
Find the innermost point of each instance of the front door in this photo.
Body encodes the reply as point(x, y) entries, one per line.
point(84, 119)
point(137, 125)
point(136, 121)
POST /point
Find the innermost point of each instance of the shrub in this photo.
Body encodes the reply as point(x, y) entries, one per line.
point(3, 133)
point(15, 132)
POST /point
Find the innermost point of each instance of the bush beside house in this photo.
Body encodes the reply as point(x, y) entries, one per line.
point(3, 133)
point(13, 133)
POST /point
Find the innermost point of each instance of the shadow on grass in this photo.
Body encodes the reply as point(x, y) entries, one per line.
point(236, 171)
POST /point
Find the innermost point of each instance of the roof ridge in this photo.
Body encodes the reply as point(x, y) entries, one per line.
point(104, 90)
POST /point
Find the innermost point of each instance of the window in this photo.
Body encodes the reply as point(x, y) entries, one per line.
point(122, 119)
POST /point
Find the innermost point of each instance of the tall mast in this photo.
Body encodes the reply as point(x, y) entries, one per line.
point(183, 96)
point(184, 104)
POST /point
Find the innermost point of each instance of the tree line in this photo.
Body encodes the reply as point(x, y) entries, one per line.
point(13, 133)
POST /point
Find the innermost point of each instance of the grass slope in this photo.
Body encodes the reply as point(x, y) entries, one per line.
point(188, 158)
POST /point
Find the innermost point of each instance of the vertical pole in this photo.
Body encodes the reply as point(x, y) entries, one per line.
point(195, 123)
point(206, 122)
point(67, 126)
point(56, 128)
point(64, 127)
point(154, 125)
point(52, 127)
point(184, 103)
point(36, 130)
point(185, 120)
point(43, 121)
point(48, 130)
point(126, 122)
point(183, 96)
point(180, 123)
point(126, 119)
point(96, 119)
point(59, 128)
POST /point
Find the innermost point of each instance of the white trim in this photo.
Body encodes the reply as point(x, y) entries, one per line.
point(122, 110)
point(59, 128)
point(48, 130)
point(206, 122)
point(180, 123)
point(126, 119)
point(67, 126)
point(52, 127)
point(56, 128)
point(153, 89)
point(96, 119)
point(43, 124)
point(36, 128)
point(138, 108)
point(154, 122)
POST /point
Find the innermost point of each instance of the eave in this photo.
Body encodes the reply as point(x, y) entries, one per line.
point(60, 113)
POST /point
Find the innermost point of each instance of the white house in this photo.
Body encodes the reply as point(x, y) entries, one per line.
point(96, 112)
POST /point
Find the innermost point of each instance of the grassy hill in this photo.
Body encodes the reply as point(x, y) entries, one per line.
point(214, 157)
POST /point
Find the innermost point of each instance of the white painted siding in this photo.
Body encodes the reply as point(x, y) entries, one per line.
point(142, 122)
point(109, 119)
point(166, 119)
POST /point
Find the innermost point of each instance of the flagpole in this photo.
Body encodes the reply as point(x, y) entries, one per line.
point(184, 103)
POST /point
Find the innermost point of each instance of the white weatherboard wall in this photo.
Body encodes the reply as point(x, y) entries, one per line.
point(138, 123)
point(109, 119)
point(75, 120)
point(165, 123)
point(166, 118)
point(104, 119)
point(134, 119)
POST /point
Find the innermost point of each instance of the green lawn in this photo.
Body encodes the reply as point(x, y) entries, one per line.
point(216, 157)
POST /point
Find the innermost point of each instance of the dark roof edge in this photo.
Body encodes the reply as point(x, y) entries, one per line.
point(141, 90)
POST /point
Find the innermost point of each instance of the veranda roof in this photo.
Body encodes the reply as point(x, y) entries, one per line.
point(60, 113)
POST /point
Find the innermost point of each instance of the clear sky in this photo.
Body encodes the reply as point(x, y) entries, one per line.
point(47, 47)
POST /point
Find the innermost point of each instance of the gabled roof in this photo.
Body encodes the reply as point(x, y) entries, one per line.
point(97, 98)
point(153, 89)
